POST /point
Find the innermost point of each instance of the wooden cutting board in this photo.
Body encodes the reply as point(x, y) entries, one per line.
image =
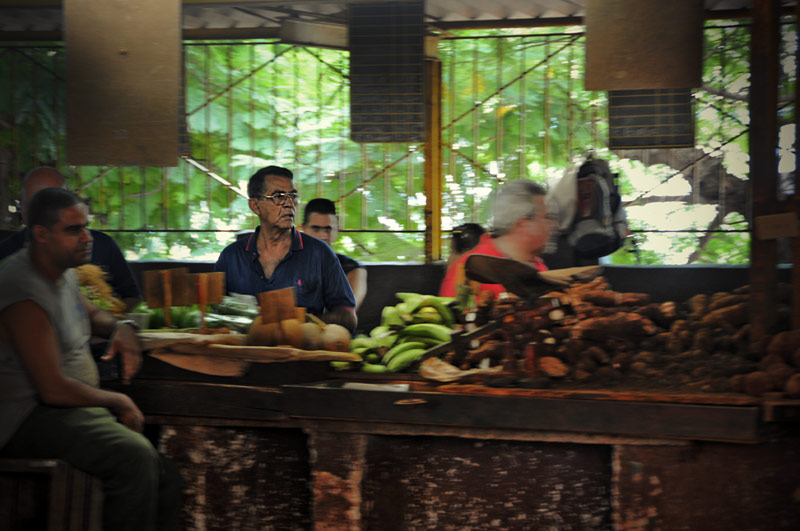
point(264, 354)
point(231, 346)
point(156, 340)
point(210, 365)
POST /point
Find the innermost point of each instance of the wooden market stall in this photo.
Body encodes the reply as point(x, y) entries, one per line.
point(291, 445)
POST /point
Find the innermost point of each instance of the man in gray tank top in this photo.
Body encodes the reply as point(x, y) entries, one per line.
point(50, 403)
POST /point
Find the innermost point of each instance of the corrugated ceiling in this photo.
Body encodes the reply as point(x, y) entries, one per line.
point(266, 16)
point(264, 19)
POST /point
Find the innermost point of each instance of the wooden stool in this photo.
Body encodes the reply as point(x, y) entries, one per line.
point(48, 494)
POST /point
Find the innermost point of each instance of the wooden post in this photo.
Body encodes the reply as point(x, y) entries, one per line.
point(795, 203)
point(433, 160)
point(763, 162)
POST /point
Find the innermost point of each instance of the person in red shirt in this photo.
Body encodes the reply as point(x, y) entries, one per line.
point(521, 229)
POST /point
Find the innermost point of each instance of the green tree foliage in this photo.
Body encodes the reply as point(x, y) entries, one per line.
point(513, 106)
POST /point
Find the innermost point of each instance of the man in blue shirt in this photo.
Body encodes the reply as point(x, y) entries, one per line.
point(105, 252)
point(277, 256)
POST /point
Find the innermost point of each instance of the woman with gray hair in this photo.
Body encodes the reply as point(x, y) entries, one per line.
point(521, 229)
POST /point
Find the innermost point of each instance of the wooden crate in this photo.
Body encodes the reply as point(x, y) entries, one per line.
point(48, 494)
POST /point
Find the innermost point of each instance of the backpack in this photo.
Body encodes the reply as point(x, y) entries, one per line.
point(599, 225)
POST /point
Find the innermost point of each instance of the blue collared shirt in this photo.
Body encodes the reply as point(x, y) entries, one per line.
point(310, 266)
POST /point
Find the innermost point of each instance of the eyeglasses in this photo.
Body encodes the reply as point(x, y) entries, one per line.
point(279, 198)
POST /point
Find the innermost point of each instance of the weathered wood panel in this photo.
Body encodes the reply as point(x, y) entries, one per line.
point(448, 483)
point(713, 487)
point(241, 479)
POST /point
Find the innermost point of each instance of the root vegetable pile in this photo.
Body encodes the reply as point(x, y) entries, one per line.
point(605, 338)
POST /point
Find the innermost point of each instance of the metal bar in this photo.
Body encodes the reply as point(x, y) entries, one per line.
point(226, 183)
point(763, 165)
point(341, 173)
point(433, 161)
point(165, 202)
point(546, 139)
point(498, 117)
point(57, 125)
point(387, 181)
point(522, 154)
point(143, 199)
point(230, 123)
point(570, 103)
point(364, 172)
point(409, 189)
point(796, 241)
point(251, 107)
point(318, 147)
point(295, 122)
point(35, 118)
point(121, 187)
point(187, 186)
point(475, 123)
point(274, 90)
point(451, 73)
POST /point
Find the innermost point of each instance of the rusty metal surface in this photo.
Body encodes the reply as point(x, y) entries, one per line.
point(337, 463)
point(713, 487)
point(446, 483)
point(243, 479)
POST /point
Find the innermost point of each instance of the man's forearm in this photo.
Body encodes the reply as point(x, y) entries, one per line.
point(69, 392)
point(342, 316)
point(103, 323)
point(358, 283)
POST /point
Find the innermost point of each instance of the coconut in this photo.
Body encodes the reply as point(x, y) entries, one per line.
point(311, 335)
point(335, 338)
point(292, 332)
point(264, 335)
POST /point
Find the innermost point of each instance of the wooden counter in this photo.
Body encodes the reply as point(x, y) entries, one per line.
point(302, 456)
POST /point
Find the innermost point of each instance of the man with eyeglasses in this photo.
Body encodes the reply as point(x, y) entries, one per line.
point(320, 221)
point(278, 256)
point(521, 229)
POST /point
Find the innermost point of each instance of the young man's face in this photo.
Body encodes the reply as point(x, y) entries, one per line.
point(69, 242)
point(322, 226)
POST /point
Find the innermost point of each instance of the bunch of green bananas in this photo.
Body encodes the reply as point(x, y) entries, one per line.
point(406, 331)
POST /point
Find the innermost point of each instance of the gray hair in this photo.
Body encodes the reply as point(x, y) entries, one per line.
point(513, 202)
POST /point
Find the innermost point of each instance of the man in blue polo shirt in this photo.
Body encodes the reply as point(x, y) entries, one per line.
point(277, 256)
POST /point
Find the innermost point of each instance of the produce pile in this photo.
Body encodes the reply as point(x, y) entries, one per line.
point(588, 335)
point(94, 286)
point(407, 330)
point(231, 314)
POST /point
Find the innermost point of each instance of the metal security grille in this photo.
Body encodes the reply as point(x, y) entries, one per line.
point(387, 96)
point(650, 119)
point(513, 106)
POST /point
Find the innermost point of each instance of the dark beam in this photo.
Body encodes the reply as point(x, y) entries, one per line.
point(763, 137)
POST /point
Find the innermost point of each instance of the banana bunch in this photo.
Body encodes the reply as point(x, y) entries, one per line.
point(407, 330)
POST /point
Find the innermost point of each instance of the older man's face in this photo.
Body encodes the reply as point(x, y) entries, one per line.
point(274, 212)
point(538, 227)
